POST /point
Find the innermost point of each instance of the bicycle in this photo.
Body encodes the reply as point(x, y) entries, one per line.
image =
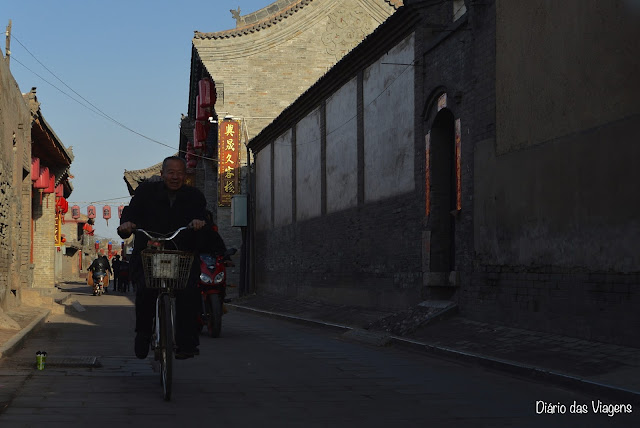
point(166, 271)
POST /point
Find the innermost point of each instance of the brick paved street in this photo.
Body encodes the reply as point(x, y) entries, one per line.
point(261, 372)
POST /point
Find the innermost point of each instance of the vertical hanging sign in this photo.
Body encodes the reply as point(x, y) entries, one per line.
point(427, 174)
point(228, 161)
point(458, 166)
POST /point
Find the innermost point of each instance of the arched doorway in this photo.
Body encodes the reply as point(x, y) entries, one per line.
point(442, 196)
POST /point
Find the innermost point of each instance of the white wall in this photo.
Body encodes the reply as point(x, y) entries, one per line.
point(282, 197)
point(389, 123)
point(342, 148)
point(263, 188)
point(308, 165)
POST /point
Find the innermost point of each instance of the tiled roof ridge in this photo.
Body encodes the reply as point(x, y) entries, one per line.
point(272, 19)
point(283, 12)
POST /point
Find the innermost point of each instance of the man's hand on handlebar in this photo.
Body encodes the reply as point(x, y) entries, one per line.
point(126, 229)
point(196, 224)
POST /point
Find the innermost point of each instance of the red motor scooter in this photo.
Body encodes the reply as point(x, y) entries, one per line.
point(213, 289)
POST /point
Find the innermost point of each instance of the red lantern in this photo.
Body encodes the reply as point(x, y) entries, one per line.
point(60, 190)
point(91, 211)
point(52, 184)
point(207, 92)
point(35, 168)
point(43, 179)
point(192, 160)
point(106, 213)
point(75, 212)
point(200, 134)
point(51, 188)
point(109, 246)
point(62, 206)
point(202, 113)
point(97, 245)
point(120, 209)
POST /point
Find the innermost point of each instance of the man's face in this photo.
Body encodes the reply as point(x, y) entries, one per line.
point(174, 174)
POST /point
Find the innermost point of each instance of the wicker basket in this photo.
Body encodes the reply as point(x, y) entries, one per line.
point(166, 266)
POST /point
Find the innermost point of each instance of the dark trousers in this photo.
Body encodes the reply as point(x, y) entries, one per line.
point(187, 307)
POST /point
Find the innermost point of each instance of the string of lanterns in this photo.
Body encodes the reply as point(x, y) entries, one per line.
point(43, 180)
point(91, 212)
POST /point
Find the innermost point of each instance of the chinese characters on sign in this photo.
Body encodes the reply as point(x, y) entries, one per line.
point(228, 161)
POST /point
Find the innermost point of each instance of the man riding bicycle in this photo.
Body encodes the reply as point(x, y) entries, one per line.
point(163, 207)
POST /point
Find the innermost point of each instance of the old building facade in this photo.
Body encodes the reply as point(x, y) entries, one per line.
point(260, 67)
point(15, 190)
point(34, 176)
point(46, 225)
point(474, 152)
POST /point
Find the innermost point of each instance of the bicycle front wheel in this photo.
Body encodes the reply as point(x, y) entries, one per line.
point(166, 346)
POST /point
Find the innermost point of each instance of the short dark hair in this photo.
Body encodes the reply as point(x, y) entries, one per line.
point(173, 158)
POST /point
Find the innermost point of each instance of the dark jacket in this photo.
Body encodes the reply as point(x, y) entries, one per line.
point(210, 241)
point(151, 210)
point(101, 264)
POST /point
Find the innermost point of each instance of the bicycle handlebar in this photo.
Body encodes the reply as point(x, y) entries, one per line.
point(163, 238)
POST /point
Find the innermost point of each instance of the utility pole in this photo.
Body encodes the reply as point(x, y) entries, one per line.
point(8, 43)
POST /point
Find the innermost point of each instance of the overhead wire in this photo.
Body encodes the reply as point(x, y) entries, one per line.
point(91, 107)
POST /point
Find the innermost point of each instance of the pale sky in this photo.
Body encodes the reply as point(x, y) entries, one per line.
point(130, 59)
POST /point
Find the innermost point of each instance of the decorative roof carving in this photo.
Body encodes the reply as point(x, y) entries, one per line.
point(346, 28)
point(135, 177)
point(265, 18)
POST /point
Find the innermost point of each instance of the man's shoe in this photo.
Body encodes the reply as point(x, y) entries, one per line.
point(142, 345)
point(184, 354)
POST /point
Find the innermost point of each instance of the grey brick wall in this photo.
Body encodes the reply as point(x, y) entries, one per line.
point(43, 240)
point(15, 186)
point(367, 256)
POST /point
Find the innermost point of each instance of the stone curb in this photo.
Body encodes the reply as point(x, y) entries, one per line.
point(292, 318)
point(10, 345)
point(524, 370)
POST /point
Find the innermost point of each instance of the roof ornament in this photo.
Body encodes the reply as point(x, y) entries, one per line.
point(236, 15)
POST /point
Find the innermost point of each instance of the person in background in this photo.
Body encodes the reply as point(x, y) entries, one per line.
point(124, 274)
point(115, 265)
point(101, 264)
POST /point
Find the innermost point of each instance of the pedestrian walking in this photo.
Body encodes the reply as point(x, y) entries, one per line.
point(115, 266)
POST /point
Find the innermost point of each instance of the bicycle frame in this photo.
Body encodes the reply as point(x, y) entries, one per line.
point(165, 270)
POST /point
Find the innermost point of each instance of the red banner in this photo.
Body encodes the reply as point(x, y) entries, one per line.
point(228, 161)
